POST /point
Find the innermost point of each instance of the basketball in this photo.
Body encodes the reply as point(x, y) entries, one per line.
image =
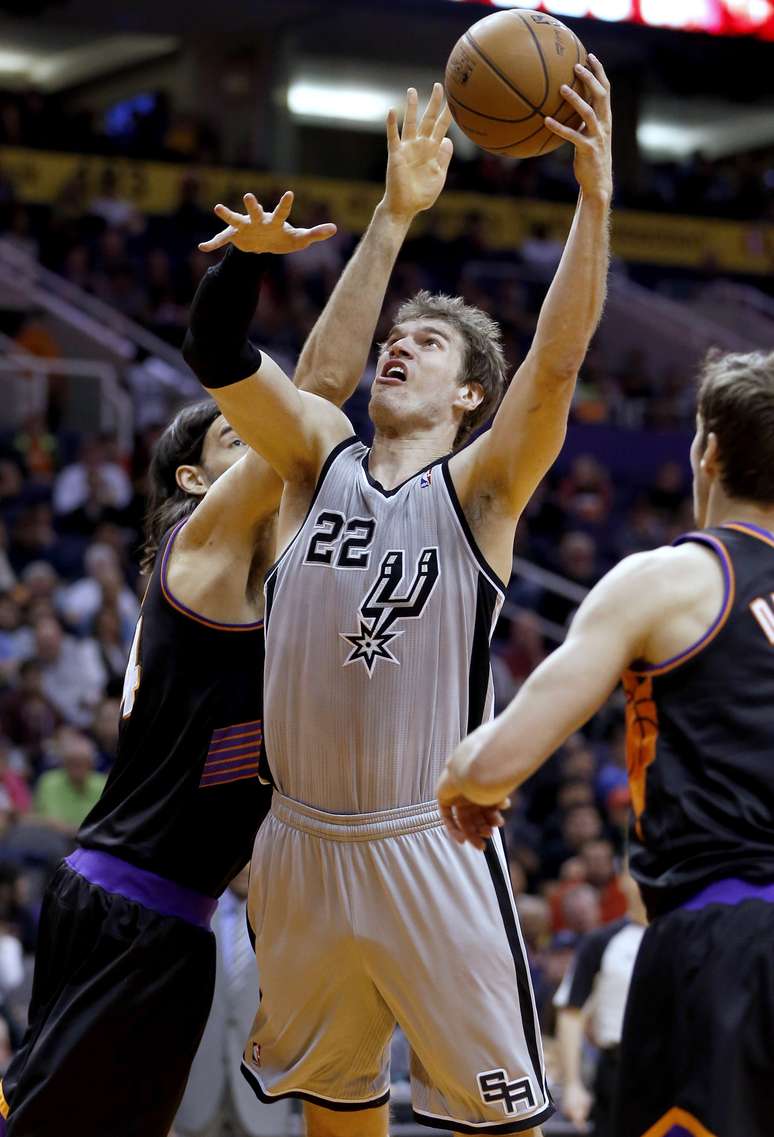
point(504, 77)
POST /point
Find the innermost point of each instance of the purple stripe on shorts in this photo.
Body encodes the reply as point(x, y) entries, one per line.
point(146, 888)
point(730, 891)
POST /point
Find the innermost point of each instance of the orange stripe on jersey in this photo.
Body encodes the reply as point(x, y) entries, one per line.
point(641, 737)
point(3, 1104)
point(678, 1121)
point(751, 531)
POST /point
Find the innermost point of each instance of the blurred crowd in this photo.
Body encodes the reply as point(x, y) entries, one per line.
point(148, 126)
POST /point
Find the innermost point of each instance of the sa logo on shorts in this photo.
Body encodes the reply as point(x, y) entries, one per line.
point(516, 1095)
point(257, 1053)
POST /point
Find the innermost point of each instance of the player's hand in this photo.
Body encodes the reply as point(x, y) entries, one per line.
point(259, 232)
point(464, 818)
point(593, 164)
point(576, 1105)
point(418, 157)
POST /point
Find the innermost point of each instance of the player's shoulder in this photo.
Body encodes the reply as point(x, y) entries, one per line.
point(668, 567)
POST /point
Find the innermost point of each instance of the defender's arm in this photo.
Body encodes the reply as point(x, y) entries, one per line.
point(291, 430)
point(610, 630)
point(528, 431)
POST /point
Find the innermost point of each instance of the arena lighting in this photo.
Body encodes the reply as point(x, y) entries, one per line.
point(718, 17)
point(330, 101)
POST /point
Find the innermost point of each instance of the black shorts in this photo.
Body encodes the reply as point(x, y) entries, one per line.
point(120, 998)
point(697, 1056)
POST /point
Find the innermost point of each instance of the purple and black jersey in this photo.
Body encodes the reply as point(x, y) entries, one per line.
point(701, 738)
point(183, 799)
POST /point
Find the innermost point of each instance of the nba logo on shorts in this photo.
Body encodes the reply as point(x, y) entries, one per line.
point(516, 1096)
point(257, 1053)
point(426, 480)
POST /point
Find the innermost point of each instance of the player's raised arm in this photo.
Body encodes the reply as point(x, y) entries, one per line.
point(529, 428)
point(336, 352)
point(291, 430)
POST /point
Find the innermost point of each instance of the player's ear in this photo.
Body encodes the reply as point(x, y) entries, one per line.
point(711, 459)
point(469, 396)
point(192, 480)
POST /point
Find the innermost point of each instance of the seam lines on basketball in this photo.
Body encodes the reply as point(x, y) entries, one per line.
point(489, 117)
point(563, 121)
point(539, 50)
point(500, 75)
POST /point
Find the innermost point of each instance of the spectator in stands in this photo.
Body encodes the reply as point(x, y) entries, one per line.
point(580, 823)
point(581, 909)
point(15, 640)
point(27, 715)
point(73, 676)
point(104, 732)
point(116, 211)
point(598, 859)
point(65, 795)
point(7, 575)
point(112, 644)
point(577, 561)
point(12, 784)
point(93, 479)
point(103, 585)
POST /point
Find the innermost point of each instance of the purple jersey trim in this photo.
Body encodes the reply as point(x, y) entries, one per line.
point(728, 599)
point(144, 887)
point(189, 612)
point(729, 891)
point(751, 530)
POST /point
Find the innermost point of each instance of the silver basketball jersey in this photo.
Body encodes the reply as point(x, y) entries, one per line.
point(378, 620)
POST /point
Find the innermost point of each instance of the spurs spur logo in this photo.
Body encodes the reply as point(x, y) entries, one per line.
point(384, 606)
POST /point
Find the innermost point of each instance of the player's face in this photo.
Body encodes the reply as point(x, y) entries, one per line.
point(222, 448)
point(417, 377)
point(700, 479)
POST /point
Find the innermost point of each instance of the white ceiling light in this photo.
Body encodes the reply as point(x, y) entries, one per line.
point(340, 103)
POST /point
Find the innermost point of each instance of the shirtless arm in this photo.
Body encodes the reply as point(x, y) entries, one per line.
point(505, 464)
point(650, 607)
point(418, 157)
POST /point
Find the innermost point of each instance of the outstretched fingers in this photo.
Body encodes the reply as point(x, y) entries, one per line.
point(283, 208)
point(393, 137)
point(410, 116)
point(253, 207)
point(306, 237)
point(229, 216)
point(432, 110)
point(218, 241)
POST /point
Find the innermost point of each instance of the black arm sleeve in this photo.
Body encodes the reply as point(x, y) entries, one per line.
point(216, 347)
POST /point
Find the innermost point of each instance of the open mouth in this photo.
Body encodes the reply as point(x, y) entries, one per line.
point(395, 372)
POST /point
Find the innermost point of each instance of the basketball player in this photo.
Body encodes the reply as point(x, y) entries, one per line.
point(691, 627)
point(125, 966)
point(379, 614)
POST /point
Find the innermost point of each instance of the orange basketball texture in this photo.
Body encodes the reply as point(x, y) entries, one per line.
point(503, 78)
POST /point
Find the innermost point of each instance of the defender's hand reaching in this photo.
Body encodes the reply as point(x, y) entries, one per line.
point(593, 164)
point(470, 813)
point(259, 232)
point(418, 157)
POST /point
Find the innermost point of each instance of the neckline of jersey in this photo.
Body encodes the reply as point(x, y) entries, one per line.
point(390, 493)
point(751, 530)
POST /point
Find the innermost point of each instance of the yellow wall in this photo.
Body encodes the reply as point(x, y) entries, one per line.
point(729, 246)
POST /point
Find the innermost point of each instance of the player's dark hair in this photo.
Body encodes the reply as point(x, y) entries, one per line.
point(484, 361)
point(181, 444)
point(736, 403)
